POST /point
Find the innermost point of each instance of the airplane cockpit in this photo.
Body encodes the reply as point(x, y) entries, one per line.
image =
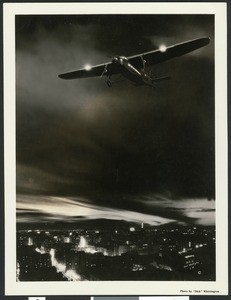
point(119, 59)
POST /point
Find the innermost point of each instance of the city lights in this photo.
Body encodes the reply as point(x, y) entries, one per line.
point(150, 252)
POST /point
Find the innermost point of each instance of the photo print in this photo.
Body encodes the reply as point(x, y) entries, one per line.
point(115, 139)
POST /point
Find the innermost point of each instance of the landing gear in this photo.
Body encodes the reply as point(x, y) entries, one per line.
point(143, 62)
point(109, 83)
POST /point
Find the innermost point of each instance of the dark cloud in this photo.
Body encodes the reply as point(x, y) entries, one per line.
point(33, 216)
point(206, 210)
point(79, 138)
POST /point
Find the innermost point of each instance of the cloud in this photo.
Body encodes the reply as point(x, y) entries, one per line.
point(113, 146)
point(39, 209)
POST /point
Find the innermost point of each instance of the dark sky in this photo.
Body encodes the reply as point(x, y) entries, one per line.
point(125, 149)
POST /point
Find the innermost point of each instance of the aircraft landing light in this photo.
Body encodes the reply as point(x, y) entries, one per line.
point(162, 48)
point(87, 67)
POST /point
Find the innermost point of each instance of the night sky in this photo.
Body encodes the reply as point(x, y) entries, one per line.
point(86, 151)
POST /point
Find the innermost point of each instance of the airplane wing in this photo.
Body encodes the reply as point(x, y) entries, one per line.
point(95, 71)
point(158, 56)
point(151, 58)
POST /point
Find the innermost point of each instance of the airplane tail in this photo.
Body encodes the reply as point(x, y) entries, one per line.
point(160, 79)
point(149, 80)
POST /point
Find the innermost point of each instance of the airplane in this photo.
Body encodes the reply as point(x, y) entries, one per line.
point(134, 68)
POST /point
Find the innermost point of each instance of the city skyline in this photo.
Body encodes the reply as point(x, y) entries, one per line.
point(116, 253)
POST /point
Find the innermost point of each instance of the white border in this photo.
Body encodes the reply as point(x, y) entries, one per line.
point(117, 287)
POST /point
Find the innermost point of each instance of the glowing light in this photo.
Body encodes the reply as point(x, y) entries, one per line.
point(30, 241)
point(66, 240)
point(71, 275)
point(41, 250)
point(162, 48)
point(83, 242)
point(83, 246)
point(87, 67)
point(18, 272)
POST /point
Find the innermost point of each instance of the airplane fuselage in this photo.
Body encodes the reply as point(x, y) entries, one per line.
point(130, 72)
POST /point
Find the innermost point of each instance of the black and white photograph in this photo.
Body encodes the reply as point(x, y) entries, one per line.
point(115, 149)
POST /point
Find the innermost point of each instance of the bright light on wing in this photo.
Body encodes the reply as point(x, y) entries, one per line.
point(87, 67)
point(162, 48)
